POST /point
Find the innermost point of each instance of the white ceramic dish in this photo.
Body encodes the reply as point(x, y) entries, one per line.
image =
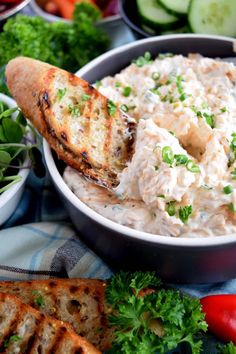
point(192, 260)
point(10, 198)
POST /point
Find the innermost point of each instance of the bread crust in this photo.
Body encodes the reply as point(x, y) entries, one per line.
point(95, 142)
point(80, 302)
point(26, 330)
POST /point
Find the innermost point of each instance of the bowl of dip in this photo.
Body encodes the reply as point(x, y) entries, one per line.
point(173, 211)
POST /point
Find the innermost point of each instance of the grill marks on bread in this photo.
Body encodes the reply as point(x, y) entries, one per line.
point(27, 331)
point(74, 117)
point(80, 302)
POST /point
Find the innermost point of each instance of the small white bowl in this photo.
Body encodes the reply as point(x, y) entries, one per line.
point(11, 197)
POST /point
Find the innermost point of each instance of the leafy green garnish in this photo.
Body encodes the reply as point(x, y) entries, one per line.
point(143, 60)
point(185, 212)
point(231, 207)
point(155, 322)
point(112, 108)
point(228, 348)
point(223, 109)
point(13, 148)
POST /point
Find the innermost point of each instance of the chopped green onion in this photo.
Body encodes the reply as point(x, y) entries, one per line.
point(14, 338)
point(185, 212)
point(167, 155)
point(233, 173)
point(170, 208)
point(98, 83)
point(181, 159)
point(209, 119)
point(228, 189)
point(223, 109)
point(127, 91)
point(156, 168)
point(124, 108)
point(156, 76)
point(161, 196)
point(143, 60)
point(112, 108)
point(192, 167)
point(117, 84)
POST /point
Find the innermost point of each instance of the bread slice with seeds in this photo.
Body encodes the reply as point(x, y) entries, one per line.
point(80, 302)
point(25, 330)
point(86, 130)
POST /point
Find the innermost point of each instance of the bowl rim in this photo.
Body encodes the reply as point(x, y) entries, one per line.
point(8, 194)
point(194, 242)
point(53, 18)
point(13, 10)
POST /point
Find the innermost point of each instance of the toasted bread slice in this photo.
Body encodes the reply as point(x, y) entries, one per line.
point(79, 302)
point(85, 129)
point(26, 330)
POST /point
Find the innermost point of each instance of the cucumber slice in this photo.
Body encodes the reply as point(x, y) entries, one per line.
point(177, 7)
point(152, 14)
point(213, 16)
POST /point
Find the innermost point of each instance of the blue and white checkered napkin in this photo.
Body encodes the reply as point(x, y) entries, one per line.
point(38, 241)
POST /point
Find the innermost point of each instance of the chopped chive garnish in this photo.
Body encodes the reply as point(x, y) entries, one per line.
point(117, 84)
point(156, 168)
point(167, 155)
point(192, 167)
point(127, 91)
point(228, 189)
point(209, 119)
point(143, 60)
point(124, 108)
point(223, 109)
point(156, 76)
point(233, 173)
point(98, 83)
point(161, 196)
point(181, 159)
point(112, 108)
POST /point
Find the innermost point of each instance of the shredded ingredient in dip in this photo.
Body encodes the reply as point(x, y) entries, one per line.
point(181, 180)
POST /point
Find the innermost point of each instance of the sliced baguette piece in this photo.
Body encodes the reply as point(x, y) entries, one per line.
point(80, 302)
point(84, 128)
point(26, 330)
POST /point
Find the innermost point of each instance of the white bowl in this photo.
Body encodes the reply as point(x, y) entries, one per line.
point(190, 260)
point(11, 197)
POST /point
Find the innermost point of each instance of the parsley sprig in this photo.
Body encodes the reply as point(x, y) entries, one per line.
point(14, 146)
point(157, 320)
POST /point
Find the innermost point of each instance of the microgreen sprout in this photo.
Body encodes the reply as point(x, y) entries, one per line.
point(15, 145)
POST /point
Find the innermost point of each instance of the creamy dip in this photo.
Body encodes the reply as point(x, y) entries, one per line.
point(181, 180)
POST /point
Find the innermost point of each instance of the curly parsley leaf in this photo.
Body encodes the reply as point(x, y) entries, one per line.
point(148, 319)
